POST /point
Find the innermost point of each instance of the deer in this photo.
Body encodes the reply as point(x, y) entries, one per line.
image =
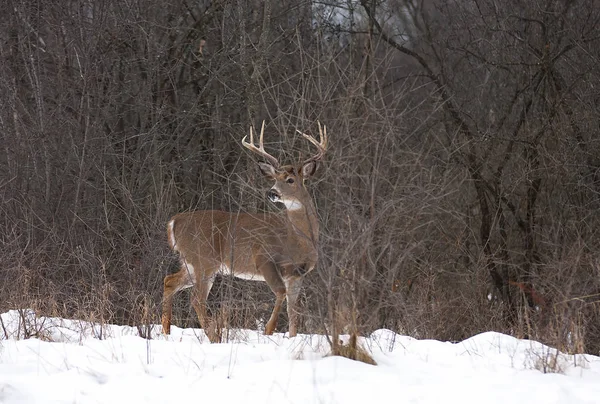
point(277, 248)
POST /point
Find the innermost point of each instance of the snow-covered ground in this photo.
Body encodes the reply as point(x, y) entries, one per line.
point(78, 362)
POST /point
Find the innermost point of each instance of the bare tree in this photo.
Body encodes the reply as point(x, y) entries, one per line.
point(460, 194)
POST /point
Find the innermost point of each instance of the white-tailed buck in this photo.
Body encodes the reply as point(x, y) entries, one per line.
point(278, 249)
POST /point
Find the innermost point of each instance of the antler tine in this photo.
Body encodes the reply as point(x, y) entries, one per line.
point(321, 144)
point(260, 150)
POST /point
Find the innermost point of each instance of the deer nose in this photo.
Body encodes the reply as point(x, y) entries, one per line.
point(273, 195)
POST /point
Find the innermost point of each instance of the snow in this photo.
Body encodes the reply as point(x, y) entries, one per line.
point(69, 361)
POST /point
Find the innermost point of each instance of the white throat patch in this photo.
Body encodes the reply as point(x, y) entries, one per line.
point(292, 204)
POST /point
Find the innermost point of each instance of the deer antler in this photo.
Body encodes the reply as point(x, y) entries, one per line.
point(321, 144)
point(260, 150)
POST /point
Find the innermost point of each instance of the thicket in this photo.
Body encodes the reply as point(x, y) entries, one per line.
point(460, 193)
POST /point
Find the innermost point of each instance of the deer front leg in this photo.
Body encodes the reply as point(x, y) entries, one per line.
point(272, 323)
point(293, 291)
point(269, 271)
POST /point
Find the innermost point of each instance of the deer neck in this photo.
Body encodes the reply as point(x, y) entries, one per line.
point(303, 224)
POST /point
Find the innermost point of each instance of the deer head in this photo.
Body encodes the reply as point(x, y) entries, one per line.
point(289, 186)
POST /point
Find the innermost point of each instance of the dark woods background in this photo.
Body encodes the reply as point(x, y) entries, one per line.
point(461, 191)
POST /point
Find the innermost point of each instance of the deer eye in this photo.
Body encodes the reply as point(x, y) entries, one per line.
point(290, 180)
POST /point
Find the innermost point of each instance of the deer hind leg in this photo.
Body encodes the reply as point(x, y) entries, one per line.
point(269, 271)
point(173, 283)
point(293, 291)
point(199, 297)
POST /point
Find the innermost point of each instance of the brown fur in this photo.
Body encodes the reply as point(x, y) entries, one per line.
point(276, 248)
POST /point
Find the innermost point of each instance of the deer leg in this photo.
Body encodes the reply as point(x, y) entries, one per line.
point(269, 271)
point(199, 298)
point(272, 323)
point(173, 283)
point(293, 291)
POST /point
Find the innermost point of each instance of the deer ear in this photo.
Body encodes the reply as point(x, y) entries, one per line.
point(267, 170)
point(309, 169)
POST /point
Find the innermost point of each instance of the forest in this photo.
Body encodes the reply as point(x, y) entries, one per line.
point(460, 192)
